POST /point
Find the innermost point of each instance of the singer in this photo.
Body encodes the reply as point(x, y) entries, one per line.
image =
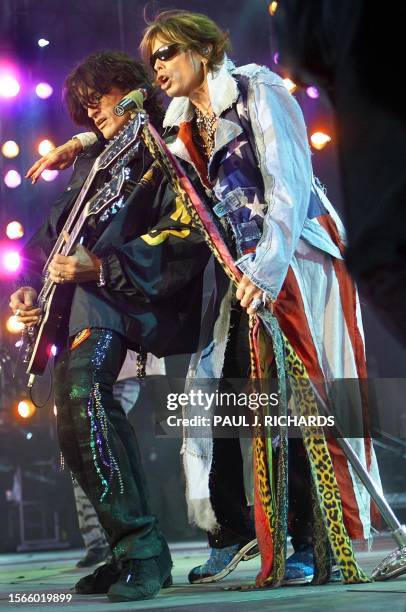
point(135, 283)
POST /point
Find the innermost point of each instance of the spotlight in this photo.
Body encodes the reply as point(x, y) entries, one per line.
point(45, 146)
point(55, 410)
point(43, 42)
point(319, 140)
point(9, 86)
point(44, 90)
point(26, 409)
point(28, 435)
point(10, 149)
point(49, 175)
point(312, 92)
point(13, 326)
point(276, 57)
point(11, 261)
point(272, 8)
point(12, 179)
point(290, 85)
point(14, 230)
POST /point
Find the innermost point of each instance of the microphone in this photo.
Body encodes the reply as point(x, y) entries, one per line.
point(134, 99)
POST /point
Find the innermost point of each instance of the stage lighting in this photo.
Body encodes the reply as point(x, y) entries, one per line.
point(55, 410)
point(45, 146)
point(319, 140)
point(276, 57)
point(10, 149)
point(26, 409)
point(14, 230)
point(49, 175)
point(12, 179)
point(290, 85)
point(11, 261)
point(312, 92)
point(44, 90)
point(9, 86)
point(43, 42)
point(272, 8)
point(13, 326)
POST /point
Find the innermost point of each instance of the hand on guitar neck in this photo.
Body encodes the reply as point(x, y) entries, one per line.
point(81, 267)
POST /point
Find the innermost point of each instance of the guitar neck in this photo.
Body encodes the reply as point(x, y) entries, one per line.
point(77, 207)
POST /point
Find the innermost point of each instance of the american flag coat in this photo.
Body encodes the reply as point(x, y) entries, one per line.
point(289, 241)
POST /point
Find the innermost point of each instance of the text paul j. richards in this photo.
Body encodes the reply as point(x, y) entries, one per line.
point(255, 420)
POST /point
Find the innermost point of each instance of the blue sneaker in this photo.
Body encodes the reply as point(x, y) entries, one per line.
point(222, 561)
point(299, 566)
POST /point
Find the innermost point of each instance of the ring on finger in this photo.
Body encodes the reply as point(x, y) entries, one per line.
point(256, 303)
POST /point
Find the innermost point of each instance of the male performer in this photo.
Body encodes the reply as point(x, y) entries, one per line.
point(132, 283)
point(245, 135)
point(281, 241)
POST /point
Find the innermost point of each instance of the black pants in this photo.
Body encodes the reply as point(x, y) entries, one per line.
point(99, 444)
point(226, 477)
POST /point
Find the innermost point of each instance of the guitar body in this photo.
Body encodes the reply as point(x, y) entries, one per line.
point(106, 202)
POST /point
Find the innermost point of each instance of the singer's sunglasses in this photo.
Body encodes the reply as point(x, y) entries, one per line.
point(165, 53)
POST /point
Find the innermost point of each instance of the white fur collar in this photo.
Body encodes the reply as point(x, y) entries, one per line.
point(223, 91)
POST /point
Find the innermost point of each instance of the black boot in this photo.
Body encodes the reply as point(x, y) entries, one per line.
point(100, 581)
point(142, 578)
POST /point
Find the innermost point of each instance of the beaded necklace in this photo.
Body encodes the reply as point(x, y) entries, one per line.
point(206, 125)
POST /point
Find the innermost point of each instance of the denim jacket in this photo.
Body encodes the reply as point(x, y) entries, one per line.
point(272, 121)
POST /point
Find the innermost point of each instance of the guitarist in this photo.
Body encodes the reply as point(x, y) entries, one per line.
point(131, 283)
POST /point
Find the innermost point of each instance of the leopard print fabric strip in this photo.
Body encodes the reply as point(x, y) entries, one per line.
point(328, 494)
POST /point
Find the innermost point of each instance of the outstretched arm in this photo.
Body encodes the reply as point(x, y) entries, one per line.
point(62, 157)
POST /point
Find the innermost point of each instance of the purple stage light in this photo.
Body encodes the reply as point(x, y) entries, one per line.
point(49, 175)
point(43, 42)
point(12, 179)
point(276, 58)
point(11, 261)
point(44, 90)
point(312, 92)
point(9, 86)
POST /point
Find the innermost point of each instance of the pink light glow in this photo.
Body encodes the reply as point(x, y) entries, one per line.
point(312, 92)
point(12, 179)
point(9, 86)
point(276, 58)
point(44, 90)
point(11, 261)
point(52, 350)
point(49, 175)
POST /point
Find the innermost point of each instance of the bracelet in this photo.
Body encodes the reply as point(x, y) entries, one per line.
point(102, 279)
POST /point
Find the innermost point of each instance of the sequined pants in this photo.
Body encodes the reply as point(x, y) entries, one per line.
point(99, 444)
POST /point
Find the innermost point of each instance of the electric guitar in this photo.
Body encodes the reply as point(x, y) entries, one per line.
point(52, 300)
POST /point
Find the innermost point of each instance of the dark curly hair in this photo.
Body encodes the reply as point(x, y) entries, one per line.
point(99, 73)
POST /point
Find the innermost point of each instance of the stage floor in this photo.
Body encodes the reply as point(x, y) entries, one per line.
point(55, 572)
